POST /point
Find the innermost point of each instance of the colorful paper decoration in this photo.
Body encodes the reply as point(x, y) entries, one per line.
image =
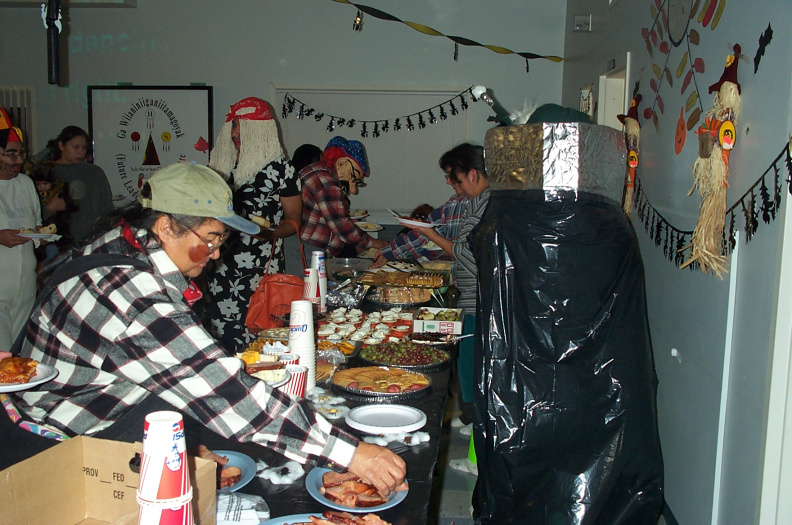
point(301, 110)
point(376, 13)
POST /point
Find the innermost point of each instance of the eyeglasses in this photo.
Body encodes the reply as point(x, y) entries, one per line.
point(212, 245)
point(454, 183)
point(14, 154)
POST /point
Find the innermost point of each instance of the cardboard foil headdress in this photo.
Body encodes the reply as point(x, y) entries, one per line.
point(560, 158)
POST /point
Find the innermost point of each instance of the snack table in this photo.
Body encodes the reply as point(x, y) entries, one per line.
point(421, 460)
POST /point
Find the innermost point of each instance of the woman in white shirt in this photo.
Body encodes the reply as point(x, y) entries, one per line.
point(19, 208)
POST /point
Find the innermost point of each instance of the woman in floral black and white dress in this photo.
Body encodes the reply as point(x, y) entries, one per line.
point(249, 154)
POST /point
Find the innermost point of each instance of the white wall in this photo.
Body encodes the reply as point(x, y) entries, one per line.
point(243, 47)
point(688, 310)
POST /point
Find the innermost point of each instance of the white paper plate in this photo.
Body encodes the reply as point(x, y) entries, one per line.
point(244, 462)
point(385, 419)
point(358, 217)
point(43, 236)
point(432, 247)
point(369, 226)
point(410, 222)
point(313, 482)
point(44, 373)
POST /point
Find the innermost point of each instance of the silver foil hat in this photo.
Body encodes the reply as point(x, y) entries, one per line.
point(555, 157)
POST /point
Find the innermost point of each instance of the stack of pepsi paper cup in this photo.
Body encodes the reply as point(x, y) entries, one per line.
point(164, 492)
point(301, 338)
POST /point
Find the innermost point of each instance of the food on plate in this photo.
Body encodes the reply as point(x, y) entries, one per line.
point(369, 226)
point(260, 221)
point(431, 338)
point(332, 412)
point(422, 279)
point(345, 347)
point(380, 379)
point(443, 315)
point(404, 295)
point(437, 265)
point(323, 370)
point(270, 375)
point(230, 476)
point(258, 367)
point(281, 332)
point(359, 213)
point(17, 369)
point(250, 356)
point(404, 353)
point(49, 229)
point(226, 476)
point(350, 491)
point(332, 517)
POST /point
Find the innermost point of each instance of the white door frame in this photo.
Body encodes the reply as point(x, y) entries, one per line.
point(776, 503)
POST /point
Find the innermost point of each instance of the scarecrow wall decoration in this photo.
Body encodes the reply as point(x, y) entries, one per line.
point(711, 171)
point(632, 133)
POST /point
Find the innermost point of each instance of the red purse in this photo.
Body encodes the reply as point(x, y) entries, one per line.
point(271, 302)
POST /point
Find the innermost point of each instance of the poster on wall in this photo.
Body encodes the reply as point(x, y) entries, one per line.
point(137, 130)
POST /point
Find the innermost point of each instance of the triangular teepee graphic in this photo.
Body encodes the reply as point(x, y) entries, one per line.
point(150, 158)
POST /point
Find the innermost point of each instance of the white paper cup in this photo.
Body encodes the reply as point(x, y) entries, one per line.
point(164, 491)
point(301, 327)
point(297, 381)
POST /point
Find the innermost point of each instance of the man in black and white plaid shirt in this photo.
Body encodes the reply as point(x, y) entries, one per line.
point(122, 337)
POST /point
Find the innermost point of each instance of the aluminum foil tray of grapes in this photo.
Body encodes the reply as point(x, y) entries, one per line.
point(406, 355)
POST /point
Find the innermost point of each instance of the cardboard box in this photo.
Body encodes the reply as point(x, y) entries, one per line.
point(443, 327)
point(88, 481)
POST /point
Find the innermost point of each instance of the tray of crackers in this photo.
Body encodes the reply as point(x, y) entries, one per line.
point(403, 278)
point(381, 381)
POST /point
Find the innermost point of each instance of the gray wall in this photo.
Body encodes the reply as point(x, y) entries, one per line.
point(245, 47)
point(688, 310)
point(241, 46)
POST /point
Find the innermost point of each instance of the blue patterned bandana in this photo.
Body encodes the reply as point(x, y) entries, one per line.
point(353, 148)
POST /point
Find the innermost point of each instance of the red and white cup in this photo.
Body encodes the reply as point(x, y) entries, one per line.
point(296, 384)
point(311, 286)
point(289, 359)
point(319, 262)
point(164, 491)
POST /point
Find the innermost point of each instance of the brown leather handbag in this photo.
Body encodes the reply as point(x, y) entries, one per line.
point(270, 304)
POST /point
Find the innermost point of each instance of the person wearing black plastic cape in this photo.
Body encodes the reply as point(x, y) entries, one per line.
point(565, 416)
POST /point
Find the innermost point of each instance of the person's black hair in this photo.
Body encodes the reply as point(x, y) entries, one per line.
point(305, 155)
point(66, 134)
point(43, 172)
point(462, 159)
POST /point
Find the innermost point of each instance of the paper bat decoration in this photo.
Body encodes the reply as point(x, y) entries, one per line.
point(764, 40)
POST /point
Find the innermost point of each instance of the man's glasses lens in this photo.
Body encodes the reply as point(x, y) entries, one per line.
point(15, 154)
